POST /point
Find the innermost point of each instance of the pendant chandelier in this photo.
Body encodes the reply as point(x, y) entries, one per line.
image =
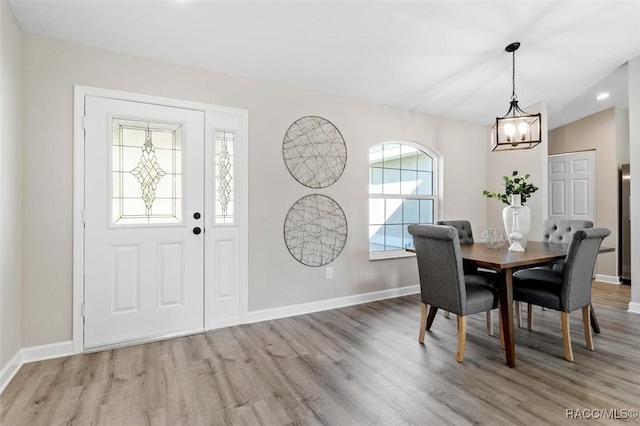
point(517, 129)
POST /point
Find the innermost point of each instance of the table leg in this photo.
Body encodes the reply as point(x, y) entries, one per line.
point(594, 321)
point(506, 313)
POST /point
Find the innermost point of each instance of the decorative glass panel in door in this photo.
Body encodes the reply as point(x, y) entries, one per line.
point(224, 197)
point(147, 173)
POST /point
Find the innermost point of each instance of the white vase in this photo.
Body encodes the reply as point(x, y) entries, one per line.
point(524, 220)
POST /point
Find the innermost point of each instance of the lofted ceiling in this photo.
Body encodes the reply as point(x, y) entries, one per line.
point(444, 58)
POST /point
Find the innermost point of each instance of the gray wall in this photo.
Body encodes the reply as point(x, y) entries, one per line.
point(51, 68)
point(604, 133)
point(10, 185)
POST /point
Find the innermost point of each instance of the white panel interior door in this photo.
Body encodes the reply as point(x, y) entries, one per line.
point(144, 178)
point(572, 186)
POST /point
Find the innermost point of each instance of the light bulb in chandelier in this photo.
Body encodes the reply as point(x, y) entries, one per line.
point(509, 131)
point(523, 128)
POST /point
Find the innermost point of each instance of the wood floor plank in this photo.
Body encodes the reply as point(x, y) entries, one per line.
point(351, 366)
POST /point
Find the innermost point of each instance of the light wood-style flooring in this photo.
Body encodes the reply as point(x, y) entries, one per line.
point(359, 365)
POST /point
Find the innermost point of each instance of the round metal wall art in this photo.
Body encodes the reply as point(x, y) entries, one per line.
point(315, 230)
point(314, 152)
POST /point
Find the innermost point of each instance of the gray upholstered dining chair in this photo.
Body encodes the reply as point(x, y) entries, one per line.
point(465, 236)
point(560, 231)
point(565, 290)
point(557, 231)
point(443, 284)
point(463, 227)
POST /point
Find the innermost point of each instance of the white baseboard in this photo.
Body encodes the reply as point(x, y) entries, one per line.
point(32, 354)
point(609, 279)
point(10, 370)
point(42, 352)
point(634, 307)
point(323, 305)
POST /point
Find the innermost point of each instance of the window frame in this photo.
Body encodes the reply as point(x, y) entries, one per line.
point(436, 158)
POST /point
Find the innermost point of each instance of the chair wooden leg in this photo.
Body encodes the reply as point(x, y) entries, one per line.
point(529, 316)
point(500, 328)
point(462, 337)
point(432, 315)
point(566, 336)
point(518, 315)
point(446, 314)
point(423, 321)
point(586, 315)
point(489, 323)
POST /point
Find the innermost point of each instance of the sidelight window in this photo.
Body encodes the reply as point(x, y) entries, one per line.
point(224, 170)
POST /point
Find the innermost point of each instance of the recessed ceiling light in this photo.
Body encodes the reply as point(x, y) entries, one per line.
point(603, 95)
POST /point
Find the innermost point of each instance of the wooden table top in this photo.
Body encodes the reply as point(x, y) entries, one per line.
point(536, 253)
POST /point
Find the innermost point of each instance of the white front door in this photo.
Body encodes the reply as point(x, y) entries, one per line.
point(144, 201)
point(572, 186)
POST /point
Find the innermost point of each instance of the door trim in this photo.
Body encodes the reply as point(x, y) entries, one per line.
point(241, 174)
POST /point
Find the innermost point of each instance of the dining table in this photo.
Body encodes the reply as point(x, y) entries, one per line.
point(505, 263)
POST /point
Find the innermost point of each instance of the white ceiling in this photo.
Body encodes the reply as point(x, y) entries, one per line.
point(444, 58)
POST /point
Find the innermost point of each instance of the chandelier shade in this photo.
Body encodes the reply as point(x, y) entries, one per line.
point(517, 129)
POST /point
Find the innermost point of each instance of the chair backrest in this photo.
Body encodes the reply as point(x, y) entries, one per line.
point(440, 266)
point(578, 267)
point(561, 230)
point(465, 235)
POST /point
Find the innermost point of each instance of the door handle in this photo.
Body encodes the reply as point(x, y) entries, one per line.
point(197, 230)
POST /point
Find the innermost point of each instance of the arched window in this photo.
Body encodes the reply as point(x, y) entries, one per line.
point(402, 190)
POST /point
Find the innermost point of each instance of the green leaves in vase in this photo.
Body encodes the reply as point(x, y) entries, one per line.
point(513, 185)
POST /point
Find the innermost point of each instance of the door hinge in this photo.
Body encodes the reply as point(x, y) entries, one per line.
point(83, 308)
point(84, 216)
point(84, 122)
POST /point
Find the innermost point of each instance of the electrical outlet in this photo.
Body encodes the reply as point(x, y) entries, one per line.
point(329, 272)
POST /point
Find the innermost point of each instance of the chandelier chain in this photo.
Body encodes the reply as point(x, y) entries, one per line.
point(513, 77)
